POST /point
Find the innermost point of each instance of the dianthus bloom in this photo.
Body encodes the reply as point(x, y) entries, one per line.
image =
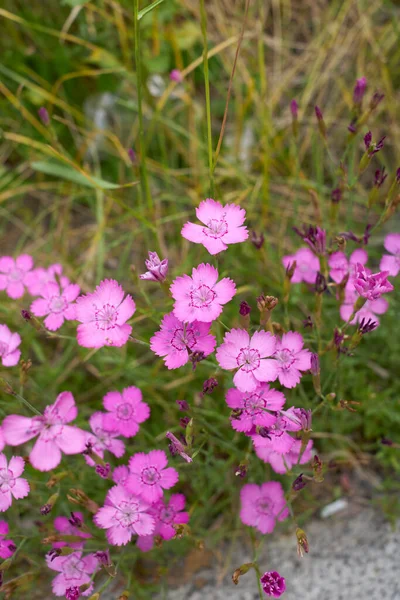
point(252, 408)
point(39, 277)
point(262, 505)
point(340, 266)
point(56, 303)
point(223, 225)
point(126, 411)
point(2, 440)
point(11, 484)
point(157, 270)
point(74, 570)
point(124, 515)
point(166, 516)
point(371, 286)
point(103, 315)
point(7, 547)
point(291, 358)
point(273, 584)
point(120, 475)
point(276, 437)
point(13, 274)
point(149, 475)
point(281, 463)
point(101, 439)
point(9, 342)
point(391, 262)
point(177, 340)
point(251, 356)
point(307, 265)
point(55, 436)
point(369, 310)
point(200, 297)
point(71, 526)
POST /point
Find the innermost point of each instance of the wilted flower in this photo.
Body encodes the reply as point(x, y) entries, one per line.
point(371, 286)
point(157, 270)
point(209, 385)
point(359, 90)
point(299, 483)
point(376, 99)
point(336, 195)
point(176, 447)
point(315, 237)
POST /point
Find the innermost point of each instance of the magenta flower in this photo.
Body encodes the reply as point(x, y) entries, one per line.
point(7, 547)
point(103, 315)
point(150, 475)
point(166, 516)
point(2, 440)
point(252, 408)
point(291, 358)
point(9, 342)
point(176, 340)
point(55, 436)
point(13, 274)
point(276, 437)
point(127, 411)
point(252, 357)
point(102, 440)
point(340, 266)
point(74, 570)
point(222, 225)
point(371, 286)
point(176, 76)
point(124, 515)
point(157, 270)
point(359, 90)
point(281, 463)
point(11, 484)
point(391, 264)
point(120, 475)
point(273, 584)
point(307, 265)
point(39, 277)
point(370, 310)
point(68, 526)
point(56, 304)
point(200, 297)
point(262, 505)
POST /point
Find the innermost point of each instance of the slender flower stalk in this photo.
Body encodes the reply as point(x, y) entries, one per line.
point(203, 16)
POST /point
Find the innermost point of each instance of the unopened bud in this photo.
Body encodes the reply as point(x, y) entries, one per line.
point(299, 483)
point(241, 471)
point(44, 115)
point(244, 309)
point(241, 571)
point(257, 239)
point(317, 468)
point(32, 320)
point(321, 122)
point(56, 478)
point(6, 387)
point(183, 405)
point(209, 385)
point(302, 542)
point(48, 506)
point(103, 470)
point(79, 498)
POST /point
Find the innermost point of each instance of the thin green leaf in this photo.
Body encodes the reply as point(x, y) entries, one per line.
point(148, 9)
point(64, 172)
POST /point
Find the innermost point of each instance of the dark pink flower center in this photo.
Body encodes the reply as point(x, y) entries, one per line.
point(182, 340)
point(202, 296)
point(249, 359)
point(125, 411)
point(7, 480)
point(216, 228)
point(58, 304)
point(254, 405)
point(106, 317)
point(285, 358)
point(167, 515)
point(3, 349)
point(16, 275)
point(127, 513)
point(73, 568)
point(264, 506)
point(150, 476)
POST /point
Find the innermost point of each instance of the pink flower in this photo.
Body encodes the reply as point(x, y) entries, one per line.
point(124, 515)
point(250, 357)
point(273, 584)
point(56, 303)
point(39, 277)
point(262, 505)
point(307, 265)
point(68, 526)
point(101, 439)
point(7, 547)
point(391, 264)
point(127, 411)
point(55, 436)
point(252, 407)
point(370, 310)
point(9, 342)
point(176, 76)
point(103, 315)
point(176, 339)
point(371, 286)
point(340, 266)
point(2, 440)
point(74, 570)
point(150, 475)
point(276, 437)
point(200, 297)
point(11, 484)
point(120, 475)
point(166, 516)
point(13, 274)
point(281, 463)
point(291, 359)
point(157, 269)
point(222, 225)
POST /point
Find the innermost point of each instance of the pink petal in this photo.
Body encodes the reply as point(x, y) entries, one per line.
point(235, 235)
point(390, 264)
point(17, 465)
point(245, 381)
point(119, 536)
point(126, 310)
point(193, 233)
point(118, 336)
point(7, 264)
point(209, 209)
point(71, 292)
point(266, 524)
point(292, 341)
point(14, 341)
point(214, 246)
point(21, 488)
point(225, 290)
point(142, 412)
point(5, 501)
point(18, 430)
point(176, 359)
point(112, 400)
point(205, 273)
point(145, 543)
point(54, 321)
point(234, 398)
point(15, 290)
point(303, 360)
point(11, 359)
point(40, 307)
point(289, 378)
point(379, 306)
point(264, 342)
point(267, 371)
point(24, 262)
point(72, 440)
point(359, 256)
point(109, 291)
point(45, 455)
point(89, 336)
point(392, 243)
point(146, 524)
point(169, 477)
point(157, 458)
point(65, 407)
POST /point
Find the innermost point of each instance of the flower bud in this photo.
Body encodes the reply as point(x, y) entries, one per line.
point(79, 498)
point(184, 421)
point(294, 109)
point(321, 122)
point(376, 99)
point(299, 483)
point(176, 76)
point(317, 468)
point(316, 373)
point(244, 309)
point(44, 115)
point(183, 405)
point(302, 542)
point(209, 385)
point(257, 239)
point(103, 470)
point(132, 155)
point(242, 570)
point(47, 508)
point(273, 584)
point(157, 270)
point(359, 91)
point(176, 447)
point(29, 318)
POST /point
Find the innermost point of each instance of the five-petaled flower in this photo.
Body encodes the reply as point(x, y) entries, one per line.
point(9, 342)
point(166, 515)
point(7, 547)
point(149, 475)
point(262, 506)
point(281, 463)
point(252, 357)
point(391, 262)
point(102, 440)
point(103, 315)
point(371, 286)
point(307, 265)
point(68, 526)
point(252, 408)
point(74, 570)
point(291, 358)
point(176, 340)
point(340, 266)
point(55, 436)
point(276, 437)
point(57, 303)
point(39, 277)
point(12, 485)
point(222, 225)
point(13, 274)
point(126, 411)
point(200, 297)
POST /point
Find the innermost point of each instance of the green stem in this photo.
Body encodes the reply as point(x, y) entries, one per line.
point(28, 404)
point(203, 16)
